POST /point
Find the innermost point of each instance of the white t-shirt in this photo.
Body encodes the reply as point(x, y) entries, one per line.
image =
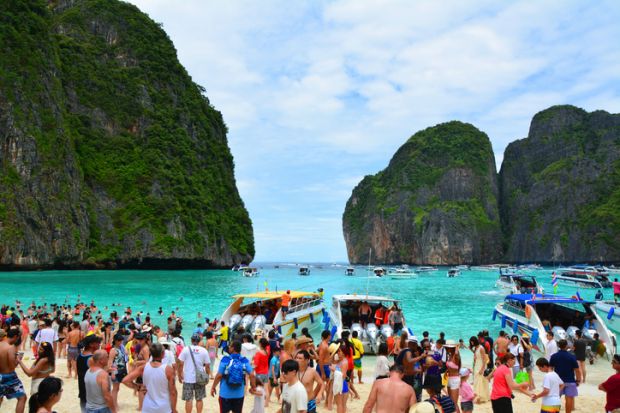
point(46, 334)
point(515, 350)
point(201, 356)
point(550, 349)
point(294, 398)
point(552, 382)
point(248, 350)
point(168, 358)
point(382, 368)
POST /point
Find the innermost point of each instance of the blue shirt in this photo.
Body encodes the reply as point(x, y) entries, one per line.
point(275, 363)
point(226, 391)
point(564, 363)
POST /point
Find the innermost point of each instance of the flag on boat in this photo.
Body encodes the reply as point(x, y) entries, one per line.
point(554, 282)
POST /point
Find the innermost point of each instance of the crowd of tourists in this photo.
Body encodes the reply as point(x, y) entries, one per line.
point(105, 353)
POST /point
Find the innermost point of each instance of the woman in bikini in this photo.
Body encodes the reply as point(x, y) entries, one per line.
point(43, 366)
point(453, 366)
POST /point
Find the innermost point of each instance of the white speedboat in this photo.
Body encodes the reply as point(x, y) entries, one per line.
point(518, 284)
point(462, 267)
point(304, 270)
point(453, 272)
point(378, 271)
point(525, 313)
point(402, 273)
point(262, 310)
point(582, 277)
point(530, 267)
point(344, 315)
point(249, 271)
point(613, 270)
point(486, 268)
point(349, 271)
point(610, 312)
point(426, 268)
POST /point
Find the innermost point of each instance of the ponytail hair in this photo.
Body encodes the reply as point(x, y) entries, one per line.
point(49, 387)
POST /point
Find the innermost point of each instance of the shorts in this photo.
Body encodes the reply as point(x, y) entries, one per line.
point(326, 370)
point(467, 406)
point(72, 353)
point(381, 377)
point(502, 405)
point(263, 378)
point(345, 387)
point(193, 391)
point(231, 405)
point(224, 344)
point(274, 381)
point(285, 308)
point(454, 382)
point(569, 390)
point(364, 318)
point(550, 409)
point(311, 407)
point(357, 364)
point(11, 386)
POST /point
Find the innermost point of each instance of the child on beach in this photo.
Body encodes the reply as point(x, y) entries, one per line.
point(552, 384)
point(259, 397)
point(466, 392)
point(274, 374)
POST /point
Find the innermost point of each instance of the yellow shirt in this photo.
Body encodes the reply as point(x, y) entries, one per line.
point(224, 333)
point(359, 348)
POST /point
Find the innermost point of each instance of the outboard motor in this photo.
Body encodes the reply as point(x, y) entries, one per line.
point(570, 332)
point(372, 333)
point(246, 321)
point(559, 333)
point(234, 321)
point(259, 323)
point(386, 331)
point(360, 331)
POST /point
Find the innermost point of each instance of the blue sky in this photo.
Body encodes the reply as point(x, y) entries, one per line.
point(318, 94)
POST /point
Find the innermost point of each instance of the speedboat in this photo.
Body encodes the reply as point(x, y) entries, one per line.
point(530, 267)
point(488, 268)
point(343, 315)
point(262, 310)
point(530, 313)
point(453, 272)
point(462, 267)
point(518, 283)
point(610, 312)
point(249, 271)
point(612, 269)
point(426, 269)
point(379, 271)
point(349, 271)
point(577, 275)
point(402, 273)
point(304, 270)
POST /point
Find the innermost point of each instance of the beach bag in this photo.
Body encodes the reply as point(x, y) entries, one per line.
point(234, 372)
point(201, 375)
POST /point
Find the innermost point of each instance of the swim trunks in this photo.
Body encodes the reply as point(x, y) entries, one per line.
point(550, 409)
point(311, 406)
point(326, 370)
point(11, 386)
point(357, 363)
point(72, 353)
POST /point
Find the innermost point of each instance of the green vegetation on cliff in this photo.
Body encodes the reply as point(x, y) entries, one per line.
point(104, 115)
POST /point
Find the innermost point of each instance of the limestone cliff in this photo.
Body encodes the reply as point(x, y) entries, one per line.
point(109, 154)
point(560, 188)
point(435, 203)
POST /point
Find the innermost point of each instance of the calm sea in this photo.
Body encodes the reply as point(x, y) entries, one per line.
point(458, 306)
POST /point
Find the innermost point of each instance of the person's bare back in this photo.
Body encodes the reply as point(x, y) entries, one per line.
point(391, 395)
point(74, 337)
point(7, 358)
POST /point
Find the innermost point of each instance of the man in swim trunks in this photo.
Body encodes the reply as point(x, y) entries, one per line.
point(501, 344)
point(358, 352)
point(310, 379)
point(391, 395)
point(286, 301)
point(73, 339)
point(11, 386)
point(364, 312)
point(322, 366)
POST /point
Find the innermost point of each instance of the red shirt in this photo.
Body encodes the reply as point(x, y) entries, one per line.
point(261, 363)
point(612, 388)
point(500, 385)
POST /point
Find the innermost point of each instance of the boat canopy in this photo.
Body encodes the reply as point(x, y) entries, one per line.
point(269, 295)
point(545, 299)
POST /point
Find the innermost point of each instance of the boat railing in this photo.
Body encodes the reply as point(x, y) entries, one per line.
point(305, 305)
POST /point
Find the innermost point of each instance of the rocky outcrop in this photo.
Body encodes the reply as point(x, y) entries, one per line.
point(435, 203)
point(110, 156)
point(560, 189)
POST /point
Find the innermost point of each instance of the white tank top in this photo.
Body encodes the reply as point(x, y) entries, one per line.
point(157, 399)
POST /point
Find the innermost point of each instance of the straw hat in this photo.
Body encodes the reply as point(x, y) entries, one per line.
point(146, 328)
point(333, 349)
point(450, 343)
point(303, 340)
point(423, 407)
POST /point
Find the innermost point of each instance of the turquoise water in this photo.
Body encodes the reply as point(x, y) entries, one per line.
point(458, 306)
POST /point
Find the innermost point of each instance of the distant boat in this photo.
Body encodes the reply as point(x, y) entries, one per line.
point(402, 273)
point(580, 275)
point(379, 271)
point(426, 269)
point(462, 267)
point(530, 267)
point(304, 270)
point(453, 272)
point(349, 271)
point(250, 272)
point(518, 284)
point(488, 268)
point(613, 270)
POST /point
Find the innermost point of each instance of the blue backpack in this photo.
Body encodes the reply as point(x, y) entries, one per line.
point(235, 371)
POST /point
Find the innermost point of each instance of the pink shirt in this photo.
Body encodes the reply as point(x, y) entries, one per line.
point(466, 392)
point(616, 287)
point(500, 386)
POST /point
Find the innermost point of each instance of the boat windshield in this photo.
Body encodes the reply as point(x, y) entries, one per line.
point(525, 284)
point(565, 314)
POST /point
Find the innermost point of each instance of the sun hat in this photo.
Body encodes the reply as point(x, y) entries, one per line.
point(146, 328)
point(303, 340)
point(424, 407)
point(464, 372)
point(525, 335)
point(412, 339)
point(333, 349)
point(450, 343)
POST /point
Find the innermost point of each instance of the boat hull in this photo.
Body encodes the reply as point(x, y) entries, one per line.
point(603, 309)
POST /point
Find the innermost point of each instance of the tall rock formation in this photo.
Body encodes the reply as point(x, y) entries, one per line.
point(435, 203)
point(560, 188)
point(109, 154)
